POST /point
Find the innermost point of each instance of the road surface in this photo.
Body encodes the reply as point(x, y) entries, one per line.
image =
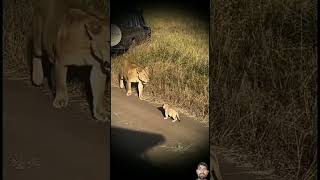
point(169, 149)
point(41, 142)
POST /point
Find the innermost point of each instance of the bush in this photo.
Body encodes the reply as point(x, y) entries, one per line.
point(264, 81)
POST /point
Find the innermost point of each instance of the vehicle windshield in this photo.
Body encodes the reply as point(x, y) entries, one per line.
point(128, 19)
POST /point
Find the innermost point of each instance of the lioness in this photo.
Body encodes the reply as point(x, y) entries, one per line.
point(170, 112)
point(133, 73)
point(215, 173)
point(82, 39)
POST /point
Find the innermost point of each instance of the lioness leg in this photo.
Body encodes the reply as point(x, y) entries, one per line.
point(121, 81)
point(121, 84)
point(98, 82)
point(61, 97)
point(140, 89)
point(37, 70)
point(129, 88)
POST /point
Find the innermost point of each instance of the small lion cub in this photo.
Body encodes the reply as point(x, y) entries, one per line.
point(169, 112)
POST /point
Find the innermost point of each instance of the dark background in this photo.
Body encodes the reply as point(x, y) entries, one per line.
point(201, 7)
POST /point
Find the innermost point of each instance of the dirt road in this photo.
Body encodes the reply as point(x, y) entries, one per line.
point(169, 148)
point(164, 149)
point(41, 142)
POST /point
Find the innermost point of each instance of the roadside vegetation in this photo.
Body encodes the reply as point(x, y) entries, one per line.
point(178, 56)
point(263, 85)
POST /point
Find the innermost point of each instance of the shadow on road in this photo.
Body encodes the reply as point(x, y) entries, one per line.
point(128, 148)
point(41, 142)
point(161, 110)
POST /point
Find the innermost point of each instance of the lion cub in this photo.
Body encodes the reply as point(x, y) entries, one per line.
point(168, 111)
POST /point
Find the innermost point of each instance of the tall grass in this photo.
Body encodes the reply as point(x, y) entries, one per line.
point(17, 23)
point(178, 55)
point(264, 82)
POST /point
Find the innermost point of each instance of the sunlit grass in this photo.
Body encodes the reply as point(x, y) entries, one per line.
point(178, 55)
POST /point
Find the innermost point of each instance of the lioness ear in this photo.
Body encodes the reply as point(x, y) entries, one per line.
point(93, 28)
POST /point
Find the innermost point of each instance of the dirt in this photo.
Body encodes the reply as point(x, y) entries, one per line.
point(160, 146)
point(41, 142)
point(166, 146)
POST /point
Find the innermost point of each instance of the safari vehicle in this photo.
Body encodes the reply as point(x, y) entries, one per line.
point(127, 30)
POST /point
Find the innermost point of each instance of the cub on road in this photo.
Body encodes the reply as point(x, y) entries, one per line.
point(132, 73)
point(170, 112)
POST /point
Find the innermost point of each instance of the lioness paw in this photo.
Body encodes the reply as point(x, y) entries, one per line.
point(101, 116)
point(60, 102)
point(129, 93)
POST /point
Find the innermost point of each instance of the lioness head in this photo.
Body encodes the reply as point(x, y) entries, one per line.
point(99, 35)
point(143, 74)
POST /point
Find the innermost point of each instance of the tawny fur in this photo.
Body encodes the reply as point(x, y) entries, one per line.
point(70, 36)
point(170, 112)
point(132, 73)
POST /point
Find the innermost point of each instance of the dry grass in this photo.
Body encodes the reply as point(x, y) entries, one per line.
point(17, 22)
point(263, 89)
point(178, 55)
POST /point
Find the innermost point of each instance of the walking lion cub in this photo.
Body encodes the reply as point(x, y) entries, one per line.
point(170, 112)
